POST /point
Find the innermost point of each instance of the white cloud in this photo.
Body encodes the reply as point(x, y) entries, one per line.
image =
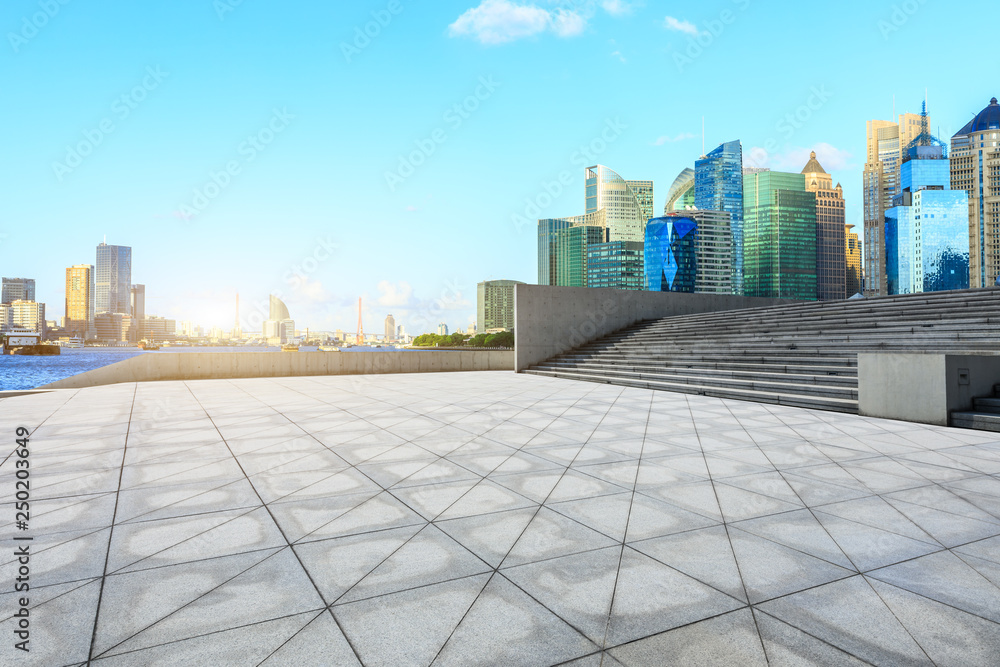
point(680, 25)
point(617, 7)
point(793, 159)
point(683, 136)
point(311, 290)
point(618, 54)
point(395, 294)
point(500, 21)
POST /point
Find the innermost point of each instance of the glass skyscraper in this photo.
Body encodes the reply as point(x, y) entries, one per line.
point(671, 263)
point(713, 250)
point(927, 229)
point(718, 186)
point(113, 279)
point(779, 229)
point(625, 210)
point(18, 289)
point(562, 247)
point(617, 264)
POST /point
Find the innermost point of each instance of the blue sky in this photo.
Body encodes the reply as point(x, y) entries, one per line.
point(260, 147)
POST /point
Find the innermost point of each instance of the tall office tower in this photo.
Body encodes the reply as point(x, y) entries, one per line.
point(886, 146)
point(495, 305)
point(779, 228)
point(113, 279)
point(680, 196)
point(643, 191)
point(713, 250)
point(927, 228)
point(561, 257)
point(852, 256)
point(624, 213)
point(718, 186)
point(138, 311)
point(18, 289)
point(670, 262)
point(80, 300)
point(975, 168)
point(442, 329)
point(831, 263)
point(390, 327)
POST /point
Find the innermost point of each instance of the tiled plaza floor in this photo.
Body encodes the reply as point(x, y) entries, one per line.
point(493, 518)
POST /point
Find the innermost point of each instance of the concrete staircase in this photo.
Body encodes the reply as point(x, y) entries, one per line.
point(985, 413)
point(800, 354)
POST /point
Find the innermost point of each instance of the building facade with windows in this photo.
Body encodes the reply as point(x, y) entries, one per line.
point(113, 279)
point(670, 261)
point(831, 261)
point(975, 168)
point(625, 213)
point(616, 264)
point(779, 227)
point(718, 186)
point(927, 229)
point(18, 289)
point(495, 305)
point(852, 256)
point(80, 301)
point(713, 250)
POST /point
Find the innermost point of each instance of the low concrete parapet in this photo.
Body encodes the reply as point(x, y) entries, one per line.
point(923, 387)
point(161, 366)
point(551, 320)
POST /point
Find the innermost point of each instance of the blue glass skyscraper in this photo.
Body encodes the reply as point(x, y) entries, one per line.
point(670, 257)
point(927, 228)
point(718, 186)
point(113, 285)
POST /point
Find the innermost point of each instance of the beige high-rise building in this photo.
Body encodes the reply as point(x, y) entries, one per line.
point(852, 256)
point(886, 146)
point(625, 212)
point(975, 168)
point(80, 300)
point(831, 268)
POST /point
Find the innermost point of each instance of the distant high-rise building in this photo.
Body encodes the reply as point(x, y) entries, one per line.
point(401, 333)
point(28, 315)
point(18, 289)
point(159, 329)
point(80, 300)
point(138, 311)
point(713, 250)
point(670, 262)
point(643, 191)
point(831, 263)
point(625, 214)
point(779, 236)
point(562, 247)
point(616, 265)
point(927, 228)
point(279, 327)
point(442, 329)
point(113, 327)
point(390, 327)
point(680, 196)
point(852, 254)
point(718, 186)
point(887, 142)
point(113, 279)
point(495, 304)
point(975, 168)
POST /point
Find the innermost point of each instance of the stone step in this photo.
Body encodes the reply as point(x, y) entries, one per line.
point(990, 404)
point(802, 378)
point(983, 421)
point(795, 400)
point(786, 386)
point(777, 367)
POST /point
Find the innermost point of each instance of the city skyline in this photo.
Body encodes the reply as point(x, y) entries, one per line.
point(282, 222)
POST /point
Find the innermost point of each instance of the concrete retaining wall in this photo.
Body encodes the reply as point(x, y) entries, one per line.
point(923, 387)
point(220, 365)
point(552, 320)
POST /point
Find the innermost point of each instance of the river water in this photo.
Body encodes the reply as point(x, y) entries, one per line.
point(23, 372)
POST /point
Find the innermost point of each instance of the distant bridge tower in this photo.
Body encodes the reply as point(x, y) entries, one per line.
point(361, 333)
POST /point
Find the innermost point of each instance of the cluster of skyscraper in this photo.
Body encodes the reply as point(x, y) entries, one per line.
point(930, 223)
point(725, 229)
point(101, 302)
